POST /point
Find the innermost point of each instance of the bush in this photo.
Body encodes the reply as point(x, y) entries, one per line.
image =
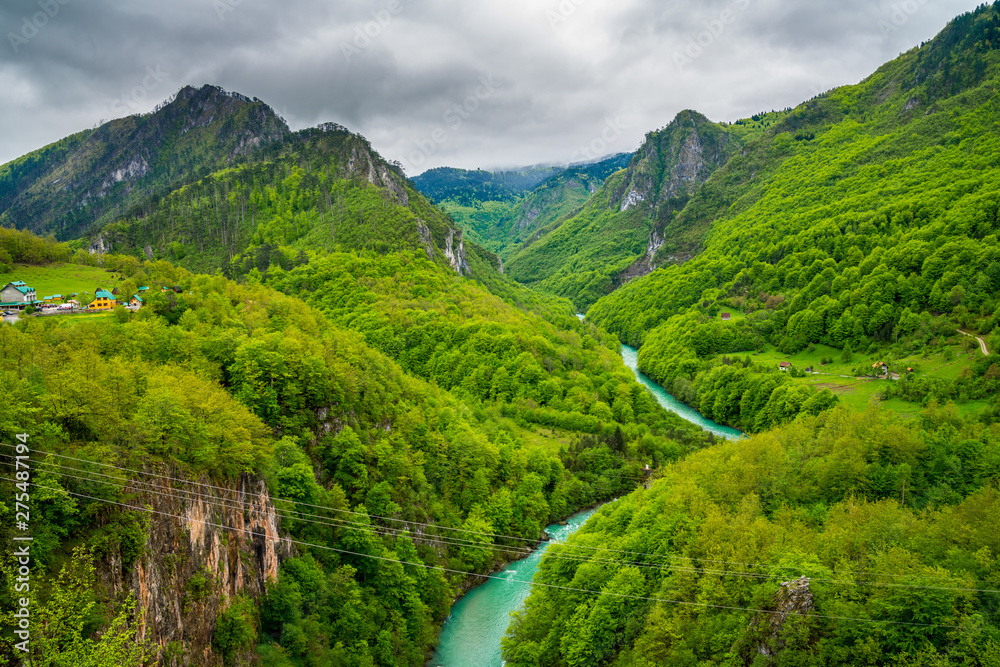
point(235, 630)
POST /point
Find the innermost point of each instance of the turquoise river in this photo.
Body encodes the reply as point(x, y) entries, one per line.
point(471, 635)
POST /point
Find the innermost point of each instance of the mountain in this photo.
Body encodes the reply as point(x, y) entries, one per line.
point(855, 221)
point(91, 177)
point(621, 228)
point(501, 210)
point(466, 187)
point(320, 189)
point(276, 469)
point(212, 181)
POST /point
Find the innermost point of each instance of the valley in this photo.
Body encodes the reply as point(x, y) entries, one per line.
point(746, 377)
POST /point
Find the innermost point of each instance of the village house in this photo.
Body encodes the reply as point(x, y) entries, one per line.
point(726, 317)
point(103, 300)
point(881, 368)
point(136, 301)
point(17, 295)
point(786, 366)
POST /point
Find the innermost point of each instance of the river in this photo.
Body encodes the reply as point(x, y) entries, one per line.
point(471, 635)
point(631, 357)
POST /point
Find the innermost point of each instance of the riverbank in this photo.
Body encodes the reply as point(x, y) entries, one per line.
point(631, 358)
point(478, 621)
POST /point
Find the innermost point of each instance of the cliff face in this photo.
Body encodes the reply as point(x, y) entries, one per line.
point(665, 172)
point(225, 544)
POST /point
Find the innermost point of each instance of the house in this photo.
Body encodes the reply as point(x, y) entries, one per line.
point(726, 317)
point(881, 367)
point(115, 291)
point(103, 300)
point(143, 289)
point(786, 366)
point(57, 297)
point(17, 294)
point(136, 301)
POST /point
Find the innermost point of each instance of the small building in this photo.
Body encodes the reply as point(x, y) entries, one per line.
point(881, 368)
point(143, 289)
point(786, 366)
point(114, 291)
point(103, 300)
point(727, 317)
point(136, 301)
point(17, 294)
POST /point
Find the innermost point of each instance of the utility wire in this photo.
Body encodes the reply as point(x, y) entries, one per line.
point(461, 530)
point(505, 579)
point(227, 504)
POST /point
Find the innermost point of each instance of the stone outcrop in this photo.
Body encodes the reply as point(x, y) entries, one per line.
point(455, 253)
point(204, 547)
point(764, 636)
point(426, 239)
point(664, 173)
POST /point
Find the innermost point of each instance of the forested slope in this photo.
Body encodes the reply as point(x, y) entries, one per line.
point(891, 523)
point(500, 218)
point(866, 220)
point(92, 177)
point(363, 461)
point(586, 255)
point(863, 203)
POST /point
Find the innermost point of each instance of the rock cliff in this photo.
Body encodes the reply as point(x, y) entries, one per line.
point(204, 547)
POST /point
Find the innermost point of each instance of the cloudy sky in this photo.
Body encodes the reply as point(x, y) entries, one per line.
point(473, 83)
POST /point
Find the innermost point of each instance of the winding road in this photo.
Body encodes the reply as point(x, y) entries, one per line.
point(982, 343)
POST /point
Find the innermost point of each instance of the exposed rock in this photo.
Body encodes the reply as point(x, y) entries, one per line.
point(764, 634)
point(425, 237)
point(99, 247)
point(148, 250)
point(456, 255)
point(222, 543)
point(365, 162)
point(632, 199)
point(135, 168)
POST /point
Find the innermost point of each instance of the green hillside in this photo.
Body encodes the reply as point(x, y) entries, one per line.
point(498, 215)
point(589, 254)
point(866, 220)
point(90, 178)
point(494, 420)
point(896, 546)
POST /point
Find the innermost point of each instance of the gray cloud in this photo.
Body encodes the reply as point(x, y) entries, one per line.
point(565, 71)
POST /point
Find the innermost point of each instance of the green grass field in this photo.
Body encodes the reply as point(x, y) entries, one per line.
point(859, 393)
point(62, 279)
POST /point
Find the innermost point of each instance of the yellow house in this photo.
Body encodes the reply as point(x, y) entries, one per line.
point(103, 300)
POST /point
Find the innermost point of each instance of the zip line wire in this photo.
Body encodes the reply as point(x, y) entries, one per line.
point(505, 548)
point(511, 580)
point(227, 504)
